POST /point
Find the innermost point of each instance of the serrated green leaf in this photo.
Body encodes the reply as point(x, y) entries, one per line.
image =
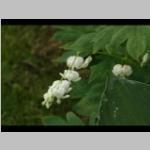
point(136, 44)
point(128, 104)
point(53, 120)
point(73, 119)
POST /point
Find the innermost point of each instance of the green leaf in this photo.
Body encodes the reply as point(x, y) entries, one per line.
point(79, 89)
point(146, 32)
point(100, 70)
point(64, 56)
point(128, 104)
point(73, 119)
point(89, 103)
point(53, 120)
point(103, 37)
point(92, 119)
point(117, 39)
point(66, 33)
point(82, 45)
point(136, 44)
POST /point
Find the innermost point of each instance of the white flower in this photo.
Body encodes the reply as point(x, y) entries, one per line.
point(78, 62)
point(122, 70)
point(75, 62)
point(60, 88)
point(86, 62)
point(48, 100)
point(117, 70)
point(58, 91)
point(71, 75)
point(65, 84)
point(145, 59)
point(127, 70)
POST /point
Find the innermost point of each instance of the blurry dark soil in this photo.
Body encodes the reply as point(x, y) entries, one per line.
point(28, 67)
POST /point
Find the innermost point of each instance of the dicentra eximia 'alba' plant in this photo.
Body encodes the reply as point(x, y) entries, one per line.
point(60, 88)
point(122, 70)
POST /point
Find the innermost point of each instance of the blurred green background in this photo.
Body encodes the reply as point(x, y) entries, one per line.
point(28, 67)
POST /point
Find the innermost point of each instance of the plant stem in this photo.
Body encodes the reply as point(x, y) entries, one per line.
point(102, 98)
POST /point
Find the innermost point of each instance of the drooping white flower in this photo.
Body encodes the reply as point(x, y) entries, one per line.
point(127, 70)
point(122, 70)
point(78, 62)
point(66, 85)
point(86, 62)
point(58, 91)
point(145, 59)
point(117, 70)
point(71, 75)
point(75, 62)
point(60, 88)
point(48, 100)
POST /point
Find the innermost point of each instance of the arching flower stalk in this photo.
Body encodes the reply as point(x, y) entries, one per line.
point(60, 88)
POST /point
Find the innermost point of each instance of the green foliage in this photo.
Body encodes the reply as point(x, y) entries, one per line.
point(83, 45)
point(109, 39)
point(104, 99)
point(53, 120)
point(71, 119)
point(89, 103)
point(128, 104)
point(79, 92)
point(71, 33)
point(136, 44)
point(103, 37)
point(100, 70)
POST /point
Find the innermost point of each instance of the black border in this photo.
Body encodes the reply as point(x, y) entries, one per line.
point(75, 21)
point(75, 128)
point(139, 128)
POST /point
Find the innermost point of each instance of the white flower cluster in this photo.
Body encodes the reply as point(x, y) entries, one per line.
point(60, 88)
point(122, 70)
